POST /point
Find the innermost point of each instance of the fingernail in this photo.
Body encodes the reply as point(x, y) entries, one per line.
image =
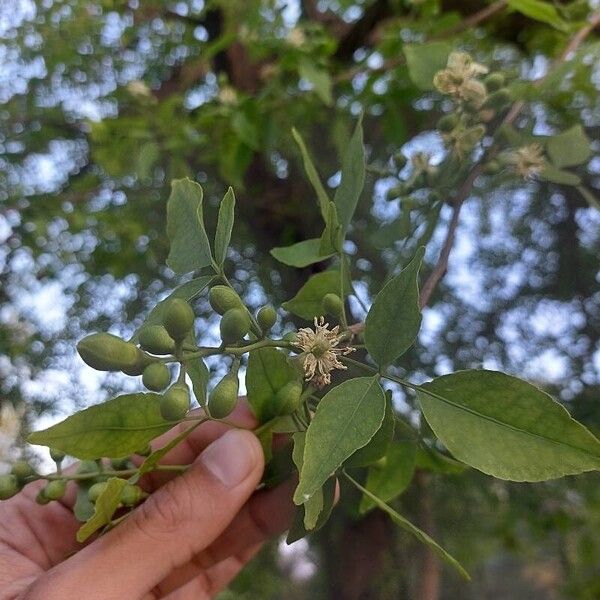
point(231, 458)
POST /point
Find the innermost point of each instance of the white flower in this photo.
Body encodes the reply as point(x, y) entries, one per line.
point(458, 79)
point(321, 353)
point(528, 160)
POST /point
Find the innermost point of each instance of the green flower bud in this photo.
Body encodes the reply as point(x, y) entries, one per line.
point(499, 99)
point(333, 305)
point(156, 340)
point(107, 352)
point(95, 491)
point(448, 122)
point(396, 191)
point(290, 336)
point(178, 318)
point(224, 396)
point(56, 455)
point(175, 403)
point(235, 324)
point(9, 486)
point(120, 464)
point(156, 377)
point(56, 489)
point(21, 469)
point(41, 498)
point(491, 167)
point(143, 360)
point(399, 160)
point(222, 298)
point(132, 495)
point(494, 81)
point(266, 318)
point(289, 398)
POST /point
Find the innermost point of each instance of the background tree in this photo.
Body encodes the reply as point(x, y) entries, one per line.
point(105, 102)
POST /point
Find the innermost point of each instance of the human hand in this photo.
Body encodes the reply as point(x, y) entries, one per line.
point(188, 540)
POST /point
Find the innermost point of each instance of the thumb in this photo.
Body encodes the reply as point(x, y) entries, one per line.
point(174, 524)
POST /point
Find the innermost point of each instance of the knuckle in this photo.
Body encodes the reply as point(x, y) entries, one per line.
point(168, 509)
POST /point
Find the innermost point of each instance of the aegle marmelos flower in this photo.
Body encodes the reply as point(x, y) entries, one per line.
point(320, 352)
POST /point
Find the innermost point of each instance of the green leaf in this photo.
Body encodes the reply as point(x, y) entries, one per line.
point(117, 427)
point(408, 526)
point(379, 443)
point(83, 509)
point(268, 371)
point(425, 60)
point(106, 505)
point(314, 505)
point(246, 129)
point(190, 248)
point(149, 154)
point(318, 78)
point(298, 530)
point(570, 148)
point(307, 302)
point(394, 319)
point(187, 291)
point(539, 11)
point(346, 418)
point(281, 466)
point(265, 437)
point(224, 227)
point(312, 174)
point(301, 254)
point(429, 459)
point(331, 238)
point(353, 178)
point(507, 427)
point(554, 175)
point(393, 477)
point(199, 374)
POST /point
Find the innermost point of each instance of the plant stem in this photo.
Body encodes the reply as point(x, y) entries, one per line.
point(235, 351)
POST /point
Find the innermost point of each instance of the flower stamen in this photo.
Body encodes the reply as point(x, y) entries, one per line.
point(321, 354)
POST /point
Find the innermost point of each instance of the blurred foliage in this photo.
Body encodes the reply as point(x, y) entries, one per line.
point(104, 101)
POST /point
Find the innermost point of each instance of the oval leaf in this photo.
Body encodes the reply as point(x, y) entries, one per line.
point(301, 254)
point(190, 248)
point(117, 427)
point(347, 417)
point(307, 302)
point(379, 443)
point(569, 148)
point(393, 322)
point(507, 427)
point(104, 509)
point(425, 60)
point(353, 178)
point(390, 480)
point(312, 174)
point(224, 226)
point(268, 371)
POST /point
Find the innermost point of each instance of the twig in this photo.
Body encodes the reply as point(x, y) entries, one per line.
point(475, 19)
point(442, 264)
